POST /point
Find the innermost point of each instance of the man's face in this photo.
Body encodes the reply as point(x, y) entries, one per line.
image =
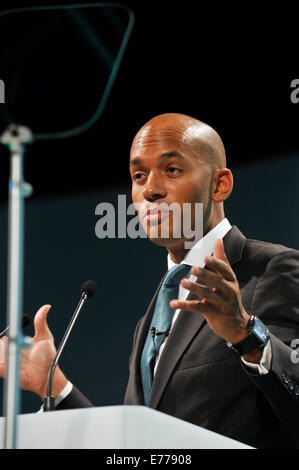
point(167, 168)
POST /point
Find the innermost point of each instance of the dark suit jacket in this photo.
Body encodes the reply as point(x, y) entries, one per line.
point(200, 380)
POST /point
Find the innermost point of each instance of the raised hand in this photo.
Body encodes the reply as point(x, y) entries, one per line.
point(36, 360)
point(219, 301)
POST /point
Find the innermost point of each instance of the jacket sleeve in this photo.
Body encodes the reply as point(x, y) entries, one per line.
point(75, 399)
point(276, 302)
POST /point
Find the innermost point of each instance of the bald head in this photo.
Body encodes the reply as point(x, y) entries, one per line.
point(200, 137)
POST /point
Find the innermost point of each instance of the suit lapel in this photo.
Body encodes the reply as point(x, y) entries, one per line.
point(187, 325)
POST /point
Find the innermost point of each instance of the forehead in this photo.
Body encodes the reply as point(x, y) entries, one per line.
point(160, 139)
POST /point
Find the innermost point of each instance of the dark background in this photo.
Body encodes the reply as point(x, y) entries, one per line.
point(229, 68)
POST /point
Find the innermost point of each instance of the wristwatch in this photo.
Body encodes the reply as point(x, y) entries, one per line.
point(258, 336)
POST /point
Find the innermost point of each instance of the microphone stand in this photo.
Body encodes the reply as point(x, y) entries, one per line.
point(49, 401)
point(15, 137)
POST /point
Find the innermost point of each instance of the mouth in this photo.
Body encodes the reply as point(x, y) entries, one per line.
point(155, 215)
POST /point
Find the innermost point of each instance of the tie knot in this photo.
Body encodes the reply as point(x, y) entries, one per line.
point(176, 274)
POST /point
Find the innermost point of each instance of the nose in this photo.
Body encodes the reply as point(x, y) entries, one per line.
point(154, 188)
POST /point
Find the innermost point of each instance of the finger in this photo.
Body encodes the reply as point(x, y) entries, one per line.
point(203, 292)
point(219, 254)
point(219, 251)
point(41, 328)
point(3, 355)
point(3, 370)
point(198, 306)
point(213, 279)
point(220, 266)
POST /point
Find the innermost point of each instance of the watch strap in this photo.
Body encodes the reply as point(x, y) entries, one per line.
point(252, 341)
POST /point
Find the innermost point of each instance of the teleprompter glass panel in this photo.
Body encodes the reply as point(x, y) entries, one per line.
point(58, 65)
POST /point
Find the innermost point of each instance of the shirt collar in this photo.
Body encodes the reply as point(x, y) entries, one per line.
point(203, 247)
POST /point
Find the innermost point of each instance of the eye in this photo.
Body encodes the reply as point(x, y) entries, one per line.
point(174, 170)
point(138, 176)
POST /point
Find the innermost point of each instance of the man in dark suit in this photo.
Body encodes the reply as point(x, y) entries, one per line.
point(199, 378)
point(225, 361)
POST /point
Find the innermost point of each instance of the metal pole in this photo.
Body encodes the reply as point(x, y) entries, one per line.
point(15, 137)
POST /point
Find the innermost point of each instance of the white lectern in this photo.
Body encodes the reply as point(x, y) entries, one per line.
point(113, 427)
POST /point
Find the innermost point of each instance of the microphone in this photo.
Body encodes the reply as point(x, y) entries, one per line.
point(87, 291)
point(154, 333)
point(25, 321)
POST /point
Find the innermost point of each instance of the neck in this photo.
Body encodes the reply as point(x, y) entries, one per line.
point(177, 255)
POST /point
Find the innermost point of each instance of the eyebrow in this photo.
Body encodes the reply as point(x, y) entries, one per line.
point(164, 155)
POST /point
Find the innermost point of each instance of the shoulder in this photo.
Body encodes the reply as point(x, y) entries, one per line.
point(268, 250)
point(265, 257)
point(258, 256)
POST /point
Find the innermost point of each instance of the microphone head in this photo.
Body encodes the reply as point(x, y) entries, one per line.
point(25, 320)
point(89, 287)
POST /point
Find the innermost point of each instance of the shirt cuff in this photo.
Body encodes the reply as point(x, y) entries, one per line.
point(264, 366)
point(63, 394)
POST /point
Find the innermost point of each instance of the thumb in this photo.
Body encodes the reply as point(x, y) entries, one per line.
point(41, 328)
point(219, 250)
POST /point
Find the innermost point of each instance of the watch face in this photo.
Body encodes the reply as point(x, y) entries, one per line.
point(260, 330)
point(257, 338)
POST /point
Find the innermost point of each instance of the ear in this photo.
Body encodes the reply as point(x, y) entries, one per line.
point(223, 184)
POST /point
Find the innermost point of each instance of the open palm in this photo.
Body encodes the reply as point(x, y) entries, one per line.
point(36, 359)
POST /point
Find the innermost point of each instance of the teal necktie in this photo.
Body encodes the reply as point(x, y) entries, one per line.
point(161, 322)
